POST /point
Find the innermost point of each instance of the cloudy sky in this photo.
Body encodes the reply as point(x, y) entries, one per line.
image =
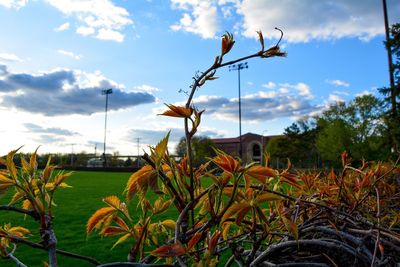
point(57, 55)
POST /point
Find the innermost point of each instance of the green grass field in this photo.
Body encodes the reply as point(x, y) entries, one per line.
point(74, 207)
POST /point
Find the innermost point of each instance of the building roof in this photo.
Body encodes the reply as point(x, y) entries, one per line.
point(237, 139)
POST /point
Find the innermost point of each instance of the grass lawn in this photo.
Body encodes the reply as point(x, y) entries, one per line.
point(75, 206)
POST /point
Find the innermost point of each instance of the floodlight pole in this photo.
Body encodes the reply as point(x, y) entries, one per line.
point(105, 92)
point(138, 149)
point(390, 60)
point(239, 67)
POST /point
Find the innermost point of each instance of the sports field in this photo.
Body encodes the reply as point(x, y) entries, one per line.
point(74, 207)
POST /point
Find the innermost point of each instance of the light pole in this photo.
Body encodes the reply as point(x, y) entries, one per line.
point(138, 147)
point(239, 67)
point(262, 148)
point(105, 92)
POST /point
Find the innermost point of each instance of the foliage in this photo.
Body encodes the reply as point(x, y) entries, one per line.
point(392, 95)
point(228, 212)
point(202, 148)
point(357, 127)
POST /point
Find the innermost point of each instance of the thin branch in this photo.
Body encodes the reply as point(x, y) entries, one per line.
point(31, 213)
point(17, 239)
point(11, 256)
point(178, 201)
point(378, 215)
point(374, 184)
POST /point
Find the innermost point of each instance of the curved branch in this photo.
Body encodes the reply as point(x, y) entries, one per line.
point(31, 213)
point(17, 239)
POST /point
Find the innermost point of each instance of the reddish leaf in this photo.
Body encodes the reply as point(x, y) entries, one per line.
point(194, 240)
point(166, 251)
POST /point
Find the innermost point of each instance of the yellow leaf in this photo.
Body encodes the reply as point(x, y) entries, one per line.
point(141, 180)
point(232, 210)
point(122, 239)
point(10, 163)
point(179, 112)
point(169, 224)
point(112, 201)
point(267, 197)
point(98, 217)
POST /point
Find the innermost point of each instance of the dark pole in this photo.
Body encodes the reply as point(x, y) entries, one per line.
point(105, 92)
point(238, 67)
point(390, 61)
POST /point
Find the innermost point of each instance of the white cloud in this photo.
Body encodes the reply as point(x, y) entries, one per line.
point(269, 85)
point(365, 92)
point(67, 92)
point(335, 98)
point(10, 57)
point(301, 21)
point(69, 54)
point(98, 18)
point(147, 88)
point(62, 27)
point(338, 83)
point(304, 20)
point(302, 88)
point(200, 17)
point(341, 93)
point(17, 4)
point(288, 100)
point(108, 34)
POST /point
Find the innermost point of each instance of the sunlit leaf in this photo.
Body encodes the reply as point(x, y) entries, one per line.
point(232, 210)
point(122, 239)
point(194, 240)
point(179, 112)
point(173, 250)
point(98, 216)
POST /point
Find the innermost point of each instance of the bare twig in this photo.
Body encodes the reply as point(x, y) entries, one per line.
point(17, 239)
point(31, 213)
point(378, 215)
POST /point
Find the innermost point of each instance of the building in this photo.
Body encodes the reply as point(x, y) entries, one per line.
point(252, 144)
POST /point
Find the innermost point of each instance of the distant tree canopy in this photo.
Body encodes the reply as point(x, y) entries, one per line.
point(202, 148)
point(392, 94)
point(357, 127)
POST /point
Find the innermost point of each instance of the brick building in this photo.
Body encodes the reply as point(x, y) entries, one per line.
point(252, 144)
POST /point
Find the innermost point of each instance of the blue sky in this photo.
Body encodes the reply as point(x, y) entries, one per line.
point(57, 55)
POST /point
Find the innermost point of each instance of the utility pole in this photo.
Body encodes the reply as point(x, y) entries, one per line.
point(239, 67)
point(138, 147)
point(390, 60)
point(105, 92)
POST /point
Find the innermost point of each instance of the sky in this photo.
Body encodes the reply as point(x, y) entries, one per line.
point(56, 56)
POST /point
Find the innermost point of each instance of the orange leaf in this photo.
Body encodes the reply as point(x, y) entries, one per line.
point(166, 251)
point(260, 173)
point(113, 230)
point(226, 162)
point(261, 38)
point(97, 217)
point(235, 208)
point(213, 242)
point(140, 180)
point(194, 240)
point(179, 112)
point(227, 43)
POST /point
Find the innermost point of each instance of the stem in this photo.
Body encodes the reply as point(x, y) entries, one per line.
point(17, 239)
point(378, 215)
point(31, 213)
point(178, 201)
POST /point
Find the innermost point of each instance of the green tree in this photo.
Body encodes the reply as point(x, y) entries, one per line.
point(202, 147)
point(356, 127)
point(392, 94)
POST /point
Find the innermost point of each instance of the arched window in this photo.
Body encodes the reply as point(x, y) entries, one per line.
point(256, 150)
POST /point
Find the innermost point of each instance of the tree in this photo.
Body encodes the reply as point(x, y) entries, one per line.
point(202, 148)
point(392, 93)
point(356, 127)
